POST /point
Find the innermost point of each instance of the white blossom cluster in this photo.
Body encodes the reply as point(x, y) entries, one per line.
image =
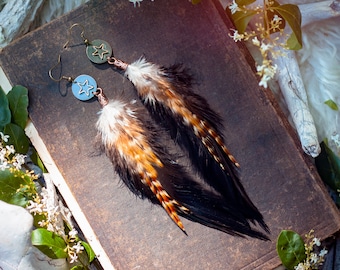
point(53, 215)
point(74, 246)
point(262, 39)
point(313, 259)
point(8, 157)
point(43, 204)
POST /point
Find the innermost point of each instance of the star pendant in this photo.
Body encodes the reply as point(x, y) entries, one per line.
point(100, 51)
point(85, 88)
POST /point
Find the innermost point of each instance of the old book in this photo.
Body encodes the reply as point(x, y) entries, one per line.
point(129, 233)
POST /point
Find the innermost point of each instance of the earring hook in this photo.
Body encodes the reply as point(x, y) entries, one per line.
point(82, 34)
point(69, 79)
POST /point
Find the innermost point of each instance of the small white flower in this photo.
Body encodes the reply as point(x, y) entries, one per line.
point(260, 68)
point(236, 36)
point(3, 153)
point(316, 241)
point(4, 137)
point(256, 42)
point(276, 19)
point(271, 71)
point(16, 165)
point(4, 165)
point(73, 233)
point(78, 248)
point(267, 73)
point(264, 81)
point(234, 7)
point(19, 160)
point(10, 149)
point(73, 257)
point(300, 266)
point(34, 207)
point(42, 223)
point(136, 2)
point(265, 47)
point(314, 258)
point(323, 252)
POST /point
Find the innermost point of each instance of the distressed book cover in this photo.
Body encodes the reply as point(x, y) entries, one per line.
point(277, 176)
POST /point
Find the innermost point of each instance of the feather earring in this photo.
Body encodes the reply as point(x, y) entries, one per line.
point(167, 94)
point(123, 137)
point(131, 142)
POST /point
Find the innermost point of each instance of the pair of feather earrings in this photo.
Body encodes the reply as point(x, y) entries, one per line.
point(149, 171)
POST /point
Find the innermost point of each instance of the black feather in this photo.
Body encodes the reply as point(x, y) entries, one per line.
point(226, 182)
point(203, 205)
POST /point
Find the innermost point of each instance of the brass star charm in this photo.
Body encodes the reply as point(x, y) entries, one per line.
point(85, 87)
point(100, 51)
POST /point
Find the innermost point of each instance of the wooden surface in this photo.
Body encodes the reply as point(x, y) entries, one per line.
point(135, 235)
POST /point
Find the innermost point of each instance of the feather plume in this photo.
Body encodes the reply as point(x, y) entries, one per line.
point(130, 141)
point(167, 94)
point(125, 142)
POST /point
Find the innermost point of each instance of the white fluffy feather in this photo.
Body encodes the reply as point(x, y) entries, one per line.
point(320, 69)
point(112, 120)
point(140, 73)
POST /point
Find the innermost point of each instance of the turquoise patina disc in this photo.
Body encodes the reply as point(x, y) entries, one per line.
point(83, 87)
point(98, 51)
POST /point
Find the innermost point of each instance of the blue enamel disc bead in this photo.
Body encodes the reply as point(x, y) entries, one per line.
point(83, 87)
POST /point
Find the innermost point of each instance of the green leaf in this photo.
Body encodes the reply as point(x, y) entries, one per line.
point(290, 248)
point(90, 253)
point(241, 19)
point(18, 103)
point(331, 104)
point(293, 43)
point(328, 166)
point(10, 183)
point(291, 14)
point(37, 161)
point(5, 113)
point(17, 137)
point(241, 3)
point(49, 243)
point(78, 267)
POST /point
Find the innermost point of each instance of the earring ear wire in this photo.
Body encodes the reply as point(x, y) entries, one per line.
point(82, 34)
point(67, 78)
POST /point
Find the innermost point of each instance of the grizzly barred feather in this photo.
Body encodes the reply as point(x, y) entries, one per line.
point(167, 94)
point(132, 144)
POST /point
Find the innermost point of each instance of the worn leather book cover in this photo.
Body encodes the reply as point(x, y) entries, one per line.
point(278, 177)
